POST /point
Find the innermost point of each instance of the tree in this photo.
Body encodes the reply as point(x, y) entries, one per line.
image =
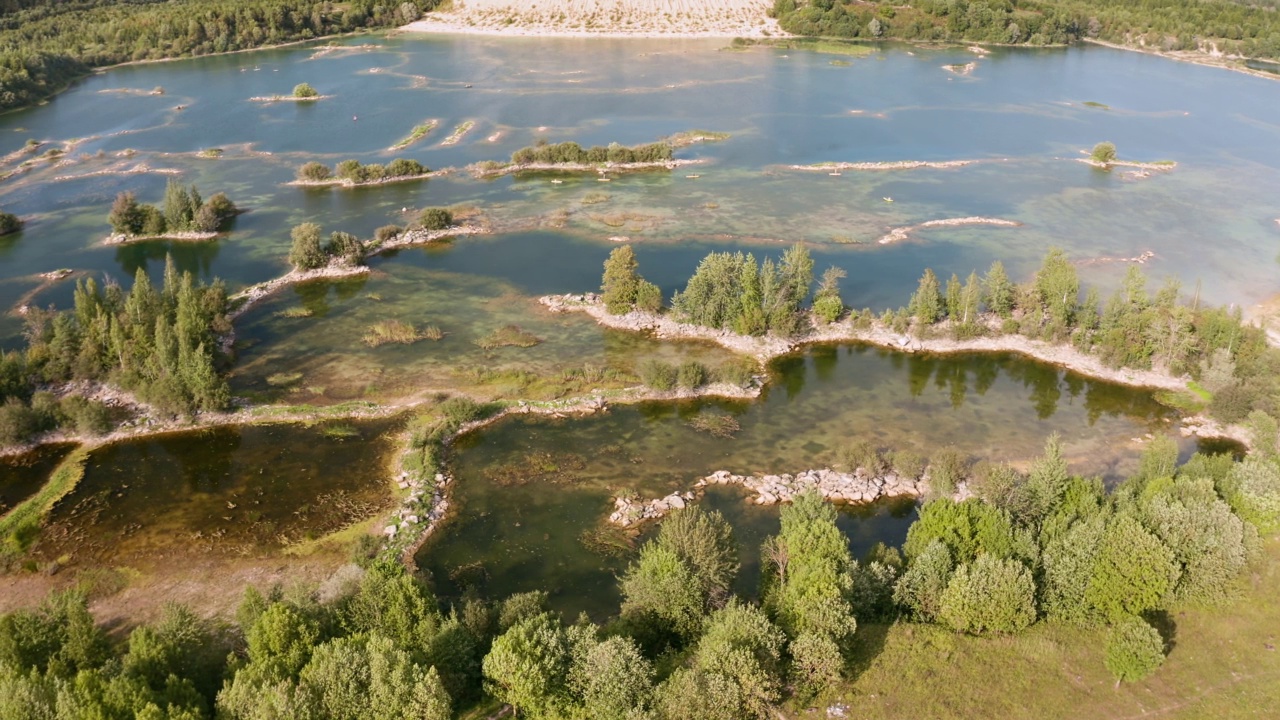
point(1134, 571)
point(968, 529)
point(314, 172)
point(808, 573)
point(304, 90)
point(346, 247)
point(1134, 650)
point(827, 304)
point(926, 304)
point(1103, 152)
point(9, 223)
point(742, 646)
point(126, 217)
point(648, 297)
point(1058, 287)
point(527, 667)
point(704, 542)
point(306, 253)
point(991, 595)
point(662, 585)
point(621, 283)
point(614, 680)
point(998, 290)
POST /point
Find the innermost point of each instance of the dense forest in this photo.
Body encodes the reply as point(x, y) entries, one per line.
point(45, 44)
point(1251, 29)
point(373, 640)
point(158, 343)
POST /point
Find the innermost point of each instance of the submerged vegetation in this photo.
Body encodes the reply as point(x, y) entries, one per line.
point(183, 211)
point(398, 331)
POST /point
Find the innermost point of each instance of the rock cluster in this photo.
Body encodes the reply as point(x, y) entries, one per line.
point(856, 487)
point(417, 502)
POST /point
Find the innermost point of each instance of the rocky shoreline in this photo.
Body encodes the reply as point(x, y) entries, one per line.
point(768, 347)
point(122, 239)
point(834, 486)
point(345, 183)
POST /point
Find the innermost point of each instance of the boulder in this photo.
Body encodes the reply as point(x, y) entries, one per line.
point(676, 502)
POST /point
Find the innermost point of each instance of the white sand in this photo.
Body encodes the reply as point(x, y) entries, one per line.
point(604, 18)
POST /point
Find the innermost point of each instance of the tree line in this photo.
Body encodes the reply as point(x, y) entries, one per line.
point(1248, 29)
point(160, 343)
point(183, 211)
point(1235, 369)
point(356, 172)
point(46, 44)
point(374, 641)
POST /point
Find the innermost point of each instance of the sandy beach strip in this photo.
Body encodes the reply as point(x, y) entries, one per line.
point(604, 18)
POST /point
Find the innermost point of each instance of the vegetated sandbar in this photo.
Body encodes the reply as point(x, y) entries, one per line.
point(348, 183)
point(418, 132)
point(489, 170)
point(902, 233)
point(138, 169)
point(883, 165)
point(770, 346)
point(287, 98)
point(1161, 165)
point(458, 133)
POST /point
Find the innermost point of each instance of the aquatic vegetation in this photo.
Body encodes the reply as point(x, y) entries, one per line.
point(508, 336)
point(295, 313)
point(340, 431)
point(595, 198)
point(398, 331)
point(719, 425)
point(9, 223)
point(20, 526)
point(607, 540)
point(458, 133)
point(284, 379)
point(417, 133)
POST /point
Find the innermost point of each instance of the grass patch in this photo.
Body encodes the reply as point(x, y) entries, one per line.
point(340, 431)
point(20, 527)
point(294, 313)
point(716, 424)
point(397, 331)
point(508, 335)
point(595, 198)
point(1190, 401)
point(210, 153)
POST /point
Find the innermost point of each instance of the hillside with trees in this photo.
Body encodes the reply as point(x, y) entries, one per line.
point(46, 44)
point(1250, 29)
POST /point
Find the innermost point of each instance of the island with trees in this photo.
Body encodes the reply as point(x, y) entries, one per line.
point(353, 173)
point(572, 157)
point(183, 215)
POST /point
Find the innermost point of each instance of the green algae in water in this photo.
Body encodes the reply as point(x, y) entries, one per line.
point(230, 491)
point(21, 476)
point(520, 525)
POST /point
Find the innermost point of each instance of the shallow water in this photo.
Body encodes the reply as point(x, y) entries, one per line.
point(528, 488)
point(22, 475)
point(1021, 117)
point(226, 492)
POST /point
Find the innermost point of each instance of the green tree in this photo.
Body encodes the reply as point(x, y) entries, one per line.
point(990, 595)
point(306, 252)
point(1134, 571)
point(827, 304)
point(1104, 152)
point(704, 542)
point(1134, 650)
point(436, 219)
point(614, 680)
point(927, 304)
point(808, 571)
point(1058, 287)
point(528, 666)
point(998, 290)
point(621, 283)
point(662, 585)
point(304, 91)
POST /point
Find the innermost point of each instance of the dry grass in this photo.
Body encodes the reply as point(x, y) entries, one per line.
point(508, 335)
point(716, 424)
point(398, 331)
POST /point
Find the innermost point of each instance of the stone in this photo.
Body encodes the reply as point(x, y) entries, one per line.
point(676, 501)
point(412, 519)
point(389, 531)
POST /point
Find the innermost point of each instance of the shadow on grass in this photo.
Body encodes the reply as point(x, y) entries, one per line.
point(868, 642)
point(1164, 624)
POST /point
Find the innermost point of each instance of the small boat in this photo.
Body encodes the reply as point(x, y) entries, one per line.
point(888, 199)
point(556, 182)
point(834, 174)
point(603, 179)
point(693, 177)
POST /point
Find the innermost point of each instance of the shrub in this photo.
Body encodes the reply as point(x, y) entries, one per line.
point(386, 233)
point(947, 469)
point(990, 595)
point(909, 464)
point(315, 172)
point(828, 308)
point(18, 422)
point(402, 167)
point(862, 454)
point(88, 417)
point(306, 253)
point(740, 371)
point(692, 375)
point(304, 90)
point(658, 375)
point(345, 246)
point(350, 170)
point(1134, 650)
point(436, 219)
point(9, 223)
point(648, 297)
point(1103, 152)
point(390, 331)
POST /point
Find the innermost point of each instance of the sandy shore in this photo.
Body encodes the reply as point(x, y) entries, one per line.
point(768, 347)
point(122, 239)
point(604, 18)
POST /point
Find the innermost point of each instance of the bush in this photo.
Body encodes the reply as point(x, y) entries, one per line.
point(658, 375)
point(314, 172)
point(18, 422)
point(691, 375)
point(648, 297)
point(1103, 152)
point(402, 167)
point(306, 253)
point(9, 223)
point(1134, 650)
point(740, 371)
point(948, 468)
point(350, 170)
point(88, 417)
point(862, 454)
point(908, 464)
point(828, 308)
point(303, 90)
point(436, 219)
point(346, 246)
point(386, 233)
point(990, 595)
